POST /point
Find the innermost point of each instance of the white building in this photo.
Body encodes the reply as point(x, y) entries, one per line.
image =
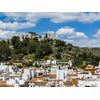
point(54, 62)
point(82, 75)
point(32, 73)
point(15, 82)
point(70, 63)
point(60, 74)
point(11, 69)
point(50, 35)
point(89, 83)
point(53, 69)
point(3, 66)
point(66, 71)
point(4, 72)
point(26, 74)
point(22, 35)
point(10, 82)
point(71, 71)
point(31, 84)
point(98, 66)
point(4, 76)
point(48, 62)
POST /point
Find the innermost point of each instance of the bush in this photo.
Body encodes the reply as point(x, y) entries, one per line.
point(37, 66)
point(19, 66)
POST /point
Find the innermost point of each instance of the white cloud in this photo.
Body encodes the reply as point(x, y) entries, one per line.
point(8, 34)
point(31, 18)
point(91, 42)
point(66, 31)
point(80, 35)
point(57, 17)
point(15, 25)
point(80, 17)
point(70, 33)
point(97, 35)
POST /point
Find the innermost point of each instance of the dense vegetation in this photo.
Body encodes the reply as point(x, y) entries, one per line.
point(33, 49)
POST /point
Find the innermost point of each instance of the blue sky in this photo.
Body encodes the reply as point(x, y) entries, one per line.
point(46, 25)
point(81, 29)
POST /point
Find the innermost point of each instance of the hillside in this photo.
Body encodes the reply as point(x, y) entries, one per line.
point(35, 48)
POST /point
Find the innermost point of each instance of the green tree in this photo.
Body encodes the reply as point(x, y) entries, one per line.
point(46, 49)
point(37, 66)
point(58, 55)
point(69, 46)
point(19, 66)
point(32, 46)
point(59, 43)
point(15, 42)
point(46, 58)
point(5, 51)
point(39, 53)
point(30, 63)
point(43, 49)
point(24, 50)
point(25, 41)
point(20, 56)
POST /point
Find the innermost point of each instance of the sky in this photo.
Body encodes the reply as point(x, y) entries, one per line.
point(79, 28)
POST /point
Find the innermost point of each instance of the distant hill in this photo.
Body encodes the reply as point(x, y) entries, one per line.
point(35, 48)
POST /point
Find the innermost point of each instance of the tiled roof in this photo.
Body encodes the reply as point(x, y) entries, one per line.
point(3, 84)
point(41, 83)
point(75, 82)
point(71, 74)
point(36, 80)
